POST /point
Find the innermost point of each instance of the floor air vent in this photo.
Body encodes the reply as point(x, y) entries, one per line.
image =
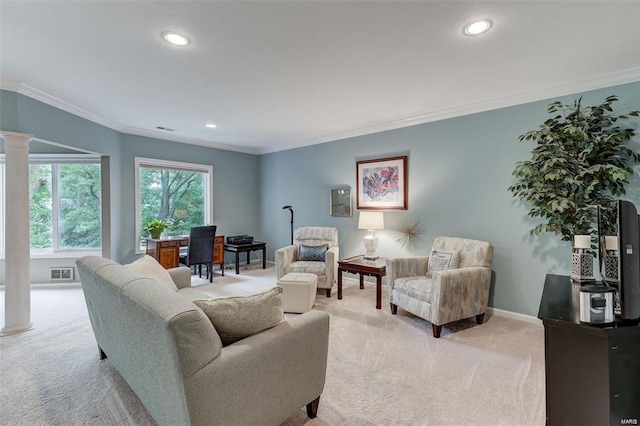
point(62, 274)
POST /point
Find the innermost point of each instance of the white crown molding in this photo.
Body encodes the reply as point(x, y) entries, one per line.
point(607, 80)
point(185, 139)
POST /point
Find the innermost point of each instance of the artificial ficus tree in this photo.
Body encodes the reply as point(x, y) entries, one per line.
point(581, 160)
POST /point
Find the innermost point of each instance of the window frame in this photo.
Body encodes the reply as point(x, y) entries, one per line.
point(53, 160)
point(145, 162)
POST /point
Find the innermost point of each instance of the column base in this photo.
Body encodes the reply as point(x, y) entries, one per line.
point(7, 331)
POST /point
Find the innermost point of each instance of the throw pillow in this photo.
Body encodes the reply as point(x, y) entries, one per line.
point(440, 260)
point(150, 268)
point(237, 317)
point(313, 253)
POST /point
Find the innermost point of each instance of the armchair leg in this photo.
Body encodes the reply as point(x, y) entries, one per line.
point(479, 318)
point(101, 353)
point(394, 308)
point(436, 330)
point(328, 291)
point(312, 408)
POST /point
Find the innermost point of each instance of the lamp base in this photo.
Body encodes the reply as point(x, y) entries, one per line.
point(582, 267)
point(370, 247)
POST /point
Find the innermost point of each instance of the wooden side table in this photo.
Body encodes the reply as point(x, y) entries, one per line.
point(358, 265)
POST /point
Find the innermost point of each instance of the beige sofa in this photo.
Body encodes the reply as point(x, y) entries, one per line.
point(171, 355)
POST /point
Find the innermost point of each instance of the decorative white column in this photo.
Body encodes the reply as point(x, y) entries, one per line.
point(17, 297)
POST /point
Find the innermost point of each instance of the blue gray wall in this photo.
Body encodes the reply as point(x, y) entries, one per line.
point(459, 171)
point(235, 175)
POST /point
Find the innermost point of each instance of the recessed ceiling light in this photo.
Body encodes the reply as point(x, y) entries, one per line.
point(477, 27)
point(176, 39)
point(210, 125)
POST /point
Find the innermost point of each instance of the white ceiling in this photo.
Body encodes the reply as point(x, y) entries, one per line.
point(275, 75)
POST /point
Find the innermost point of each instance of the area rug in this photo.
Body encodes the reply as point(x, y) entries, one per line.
point(382, 369)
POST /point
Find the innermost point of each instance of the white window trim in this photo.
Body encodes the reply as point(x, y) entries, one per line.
point(45, 159)
point(176, 165)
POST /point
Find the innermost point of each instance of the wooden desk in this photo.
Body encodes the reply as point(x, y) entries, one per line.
point(166, 250)
point(592, 373)
point(247, 248)
point(358, 265)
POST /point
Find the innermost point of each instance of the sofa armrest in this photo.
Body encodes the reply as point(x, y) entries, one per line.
point(277, 372)
point(285, 256)
point(459, 293)
point(331, 264)
point(181, 276)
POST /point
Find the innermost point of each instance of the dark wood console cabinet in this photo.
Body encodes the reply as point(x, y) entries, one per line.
point(592, 373)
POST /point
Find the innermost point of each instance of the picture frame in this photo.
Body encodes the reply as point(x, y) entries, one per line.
point(340, 203)
point(382, 184)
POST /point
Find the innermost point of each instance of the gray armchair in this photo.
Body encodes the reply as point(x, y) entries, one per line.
point(288, 258)
point(449, 295)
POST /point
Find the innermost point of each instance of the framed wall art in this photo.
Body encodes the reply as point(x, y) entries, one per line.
point(382, 183)
point(340, 202)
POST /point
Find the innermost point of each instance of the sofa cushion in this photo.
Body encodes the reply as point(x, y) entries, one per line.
point(237, 317)
point(440, 260)
point(313, 253)
point(418, 287)
point(150, 268)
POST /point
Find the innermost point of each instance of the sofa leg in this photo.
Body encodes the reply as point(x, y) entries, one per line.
point(394, 308)
point(312, 408)
point(436, 330)
point(101, 353)
point(479, 318)
point(328, 291)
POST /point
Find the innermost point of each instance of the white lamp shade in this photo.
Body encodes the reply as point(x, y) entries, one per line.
point(371, 220)
point(582, 241)
point(611, 242)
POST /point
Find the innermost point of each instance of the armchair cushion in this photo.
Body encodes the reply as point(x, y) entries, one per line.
point(313, 253)
point(419, 287)
point(441, 260)
point(237, 317)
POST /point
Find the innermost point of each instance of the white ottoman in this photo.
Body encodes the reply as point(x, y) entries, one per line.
point(298, 291)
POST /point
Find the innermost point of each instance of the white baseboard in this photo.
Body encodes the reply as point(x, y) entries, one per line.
point(514, 315)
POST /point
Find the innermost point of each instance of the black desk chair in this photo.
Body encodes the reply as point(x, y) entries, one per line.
point(200, 249)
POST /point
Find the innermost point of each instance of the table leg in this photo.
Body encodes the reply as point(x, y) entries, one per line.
point(237, 262)
point(248, 257)
point(361, 281)
point(339, 283)
point(264, 258)
point(378, 292)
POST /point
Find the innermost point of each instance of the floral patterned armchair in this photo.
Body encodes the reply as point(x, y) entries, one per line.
point(448, 295)
point(308, 239)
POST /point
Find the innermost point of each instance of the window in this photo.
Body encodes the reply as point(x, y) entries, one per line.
point(64, 203)
point(179, 193)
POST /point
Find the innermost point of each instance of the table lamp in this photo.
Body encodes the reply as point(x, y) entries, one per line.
point(371, 221)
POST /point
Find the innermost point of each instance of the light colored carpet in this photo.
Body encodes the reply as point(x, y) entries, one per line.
point(383, 369)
